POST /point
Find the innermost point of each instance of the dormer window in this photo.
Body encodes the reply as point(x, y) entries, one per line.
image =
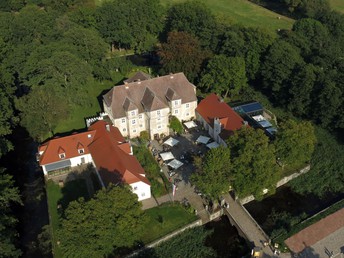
point(81, 151)
point(62, 155)
point(80, 148)
point(176, 102)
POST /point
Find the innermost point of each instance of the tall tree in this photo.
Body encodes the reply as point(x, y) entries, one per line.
point(295, 142)
point(194, 18)
point(277, 68)
point(181, 53)
point(131, 24)
point(254, 164)
point(213, 173)
point(111, 220)
point(9, 195)
point(41, 111)
point(225, 75)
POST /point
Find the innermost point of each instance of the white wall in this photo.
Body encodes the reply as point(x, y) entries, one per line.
point(142, 190)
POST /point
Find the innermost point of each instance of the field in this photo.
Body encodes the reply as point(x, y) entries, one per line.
point(337, 5)
point(245, 13)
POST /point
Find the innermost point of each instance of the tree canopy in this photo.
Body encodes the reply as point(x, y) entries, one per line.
point(295, 142)
point(253, 166)
point(213, 172)
point(225, 75)
point(109, 221)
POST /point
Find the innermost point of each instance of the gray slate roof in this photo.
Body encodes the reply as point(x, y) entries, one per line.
point(149, 95)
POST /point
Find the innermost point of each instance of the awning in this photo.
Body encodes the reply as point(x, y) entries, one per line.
point(213, 145)
point(166, 156)
point(58, 165)
point(171, 141)
point(203, 139)
point(175, 164)
point(190, 124)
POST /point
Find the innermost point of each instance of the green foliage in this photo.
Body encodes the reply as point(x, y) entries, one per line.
point(109, 221)
point(213, 172)
point(189, 243)
point(295, 142)
point(181, 53)
point(9, 196)
point(7, 120)
point(194, 18)
point(277, 68)
point(144, 136)
point(327, 167)
point(225, 75)
point(254, 165)
point(176, 125)
point(131, 24)
point(41, 111)
point(152, 170)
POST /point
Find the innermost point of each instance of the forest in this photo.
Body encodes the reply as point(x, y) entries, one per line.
point(54, 53)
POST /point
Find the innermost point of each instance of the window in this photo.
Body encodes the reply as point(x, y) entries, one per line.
point(158, 113)
point(82, 160)
point(133, 122)
point(187, 105)
point(81, 151)
point(141, 125)
point(159, 119)
point(132, 113)
point(62, 156)
point(176, 111)
point(140, 116)
point(187, 114)
point(134, 131)
point(143, 194)
point(124, 130)
point(123, 120)
point(176, 102)
point(159, 126)
point(135, 188)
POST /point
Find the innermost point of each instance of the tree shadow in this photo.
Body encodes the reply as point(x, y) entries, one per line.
point(309, 252)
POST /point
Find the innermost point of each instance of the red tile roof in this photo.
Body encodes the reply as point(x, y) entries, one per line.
point(68, 145)
point(110, 157)
point(212, 107)
point(314, 233)
point(108, 148)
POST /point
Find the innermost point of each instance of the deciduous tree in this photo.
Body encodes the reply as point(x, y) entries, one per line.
point(213, 172)
point(181, 53)
point(111, 220)
point(225, 75)
point(254, 164)
point(295, 143)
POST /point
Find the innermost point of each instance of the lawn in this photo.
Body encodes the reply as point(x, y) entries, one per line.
point(245, 13)
point(78, 114)
point(337, 5)
point(165, 219)
point(57, 195)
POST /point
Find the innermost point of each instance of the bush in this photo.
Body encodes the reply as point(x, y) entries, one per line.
point(176, 125)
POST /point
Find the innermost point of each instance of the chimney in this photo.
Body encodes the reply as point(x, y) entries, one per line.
point(126, 87)
point(107, 127)
point(171, 76)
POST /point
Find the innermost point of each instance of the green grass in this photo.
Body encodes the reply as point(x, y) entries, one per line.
point(57, 195)
point(78, 114)
point(245, 13)
point(165, 219)
point(337, 5)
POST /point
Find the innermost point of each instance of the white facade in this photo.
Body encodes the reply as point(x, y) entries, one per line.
point(154, 122)
point(82, 159)
point(213, 132)
point(142, 190)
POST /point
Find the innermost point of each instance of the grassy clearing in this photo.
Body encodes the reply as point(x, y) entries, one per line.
point(337, 5)
point(165, 219)
point(78, 114)
point(244, 13)
point(62, 196)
